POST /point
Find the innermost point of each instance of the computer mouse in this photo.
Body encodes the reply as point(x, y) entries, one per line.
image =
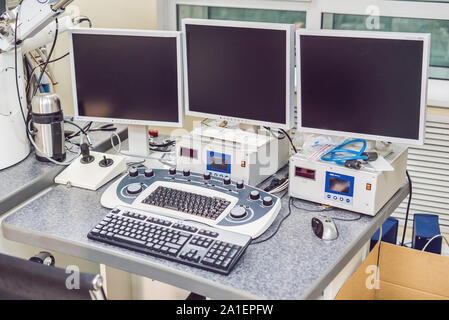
point(324, 228)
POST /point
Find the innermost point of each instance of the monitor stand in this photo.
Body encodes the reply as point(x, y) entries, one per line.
point(139, 148)
point(138, 141)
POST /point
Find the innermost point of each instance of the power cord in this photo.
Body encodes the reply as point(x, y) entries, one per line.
point(410, 186)
point(279, 225)
point(321, 208)
point(433, 238)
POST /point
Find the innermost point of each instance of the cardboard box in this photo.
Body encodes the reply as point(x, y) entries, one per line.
point(404, 274)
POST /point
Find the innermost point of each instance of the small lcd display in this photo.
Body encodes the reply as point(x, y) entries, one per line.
point(189, 153)
point(339, 185)
point(305, 173)
point(218, 162)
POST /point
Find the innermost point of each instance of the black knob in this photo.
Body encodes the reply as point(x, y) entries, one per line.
point(172, 171)
point(267, 201)
point(240, 184)
point(238, 212)
point(85, 154)
point(254, 195)
point(206, 176)
point(186, 172)
point(149, 173)
point(134, 188)
point(133, 172)
point(227, 181)
point(106, 162)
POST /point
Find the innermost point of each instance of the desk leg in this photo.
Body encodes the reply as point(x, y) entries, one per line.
point(148, 289)
point(332, 289)
point(117, 283)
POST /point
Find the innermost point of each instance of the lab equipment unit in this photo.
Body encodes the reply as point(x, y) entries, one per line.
point(365, 191)
point(425, 227)
point(91, 170)
point(232, 153)
point(220, 203)
point(34, 20)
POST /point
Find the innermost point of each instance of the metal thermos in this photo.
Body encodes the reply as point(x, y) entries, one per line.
point(48, 123)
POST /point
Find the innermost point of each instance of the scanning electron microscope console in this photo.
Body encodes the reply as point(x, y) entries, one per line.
point(220, 203)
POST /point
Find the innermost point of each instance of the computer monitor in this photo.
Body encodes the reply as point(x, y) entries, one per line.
point(239, 71)
point(130, 77)
point(370, 85)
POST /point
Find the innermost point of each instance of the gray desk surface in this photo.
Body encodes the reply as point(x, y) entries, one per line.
point(21, 181)
point(294, 264)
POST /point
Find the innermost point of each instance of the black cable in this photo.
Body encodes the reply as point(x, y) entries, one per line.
point(48, 59)
point(290, 139)
point(279, 225)
point(274, 135)
point(82, 19)
point(41, 64)
point(410, 185)
point(84, 130)
point(75, 125)
point(16, 66)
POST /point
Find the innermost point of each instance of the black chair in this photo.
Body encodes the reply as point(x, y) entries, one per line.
point(38, 279)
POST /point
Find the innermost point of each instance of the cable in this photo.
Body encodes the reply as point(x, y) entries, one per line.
point(80, 130)
point(289, 138)
point(410, 186)
point(347, 220)
point(272, 132)
point(323, 209)
point(48, 58)
point(41, 64)
point(81, 19)
point(351, 160)
point(279, 225)
point(16, 66)
point(433, 238)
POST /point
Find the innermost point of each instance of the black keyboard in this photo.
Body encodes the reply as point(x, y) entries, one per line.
point(185, 242)
point(187, 202)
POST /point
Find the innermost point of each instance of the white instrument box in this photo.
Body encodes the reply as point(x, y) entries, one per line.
point(365, 191)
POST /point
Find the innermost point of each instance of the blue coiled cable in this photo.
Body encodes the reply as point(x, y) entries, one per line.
point(332, 156)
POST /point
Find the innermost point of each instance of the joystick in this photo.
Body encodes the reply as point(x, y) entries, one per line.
point(106, 162)
point(86, 157)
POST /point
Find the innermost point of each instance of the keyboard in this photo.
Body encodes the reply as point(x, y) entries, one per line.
point(172, 239)
point(188, 202)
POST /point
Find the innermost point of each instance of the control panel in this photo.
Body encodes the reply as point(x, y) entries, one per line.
point(202, 197)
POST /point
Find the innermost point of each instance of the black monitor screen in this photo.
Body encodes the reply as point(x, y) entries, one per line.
point(126, 77)
point(360, 85)
point(237, 72)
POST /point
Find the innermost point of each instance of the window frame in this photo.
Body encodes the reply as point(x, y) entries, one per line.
point(438, 90)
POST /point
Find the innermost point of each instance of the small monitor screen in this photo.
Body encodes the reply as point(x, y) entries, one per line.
point(126, 77)
point(237, 72)
point(362, 85)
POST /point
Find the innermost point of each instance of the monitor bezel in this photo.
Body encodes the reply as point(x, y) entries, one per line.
point(128, 32)
point(290, 70)
point(424, 37)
